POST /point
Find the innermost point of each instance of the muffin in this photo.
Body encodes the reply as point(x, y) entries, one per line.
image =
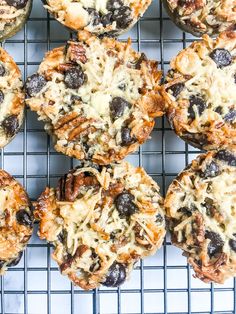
point(14, 14)
point(112, 17)
point(101, 220)
point(11, 98)
point(201, 211)
point(16, 221)
point(97, 97)
point(200, 17)
point(199, 92)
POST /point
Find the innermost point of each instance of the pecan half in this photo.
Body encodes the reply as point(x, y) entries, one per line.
point(77, 52)
point(68, 188)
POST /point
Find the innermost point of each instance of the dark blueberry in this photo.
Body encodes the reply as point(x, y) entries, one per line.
point(117, 107)
point(15, 261)
point(230, 116)
point(106, 19)
point(116, 275)
point(142, 58)
point(125, 205)
point(232, 243)
point(221, 56)
point(18, 4)
point(176, 89)
point(74, 77)
point(1, 97)
point(126, 138)
point(114, 4)
point(219, 110)
point(216, 244)
point(2, 70)
point(199, 103)
point(34, 84)
point(96, 19)
point(24, 218)
point(212, 170)
point(10, 125)
point(75, 98)
point(226, 156)
point(122, 17)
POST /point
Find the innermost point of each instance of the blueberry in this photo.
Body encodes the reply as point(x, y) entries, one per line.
point(117, 107)
point(125, 205)
point(142, 58)
point(221, 57)
point(2, 70)
point(34, 84)
point(212, 170)
point(16, 260)
point(126, 138)
point(230, 116)
point(196, 101)
point(116, 275)
point(176, 89)
point(122, 17)
point(216, 244)
point(10, 125)
point(1, 97)
point(219, 110)
point(18, 4)
point(232, 243)
point(95, 17)
point(106, 19)
point(114, 4)
point(74, 77)
point(24, 218)
point(226, 156)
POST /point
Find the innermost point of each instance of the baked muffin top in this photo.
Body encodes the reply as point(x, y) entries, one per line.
point(200, 92)
point(98, 98)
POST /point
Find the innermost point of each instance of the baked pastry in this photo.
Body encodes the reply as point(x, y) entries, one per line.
point(99, 17)
point(14, 14)
point(201, 210)
point(200, 17)
point(11, 98)
point(16, 220)
point(200, 92)
point(101, 220)
point(98, 98)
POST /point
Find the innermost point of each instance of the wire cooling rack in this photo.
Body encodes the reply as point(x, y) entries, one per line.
point(160, 284)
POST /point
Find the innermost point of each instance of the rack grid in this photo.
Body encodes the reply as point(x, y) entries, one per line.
point(160, 284)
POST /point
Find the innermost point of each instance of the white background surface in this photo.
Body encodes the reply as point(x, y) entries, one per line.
point(163, 283)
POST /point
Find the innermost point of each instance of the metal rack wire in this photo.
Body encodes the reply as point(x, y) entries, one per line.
point(162, 284)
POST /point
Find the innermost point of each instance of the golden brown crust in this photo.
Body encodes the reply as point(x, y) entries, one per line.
point(12, 19)
point(16, 221)
point(11, 98)
point(200, 95)
point(200, 209)
point(98, 17)
point(90, 233)
point(85, 128)
point(203, 17)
